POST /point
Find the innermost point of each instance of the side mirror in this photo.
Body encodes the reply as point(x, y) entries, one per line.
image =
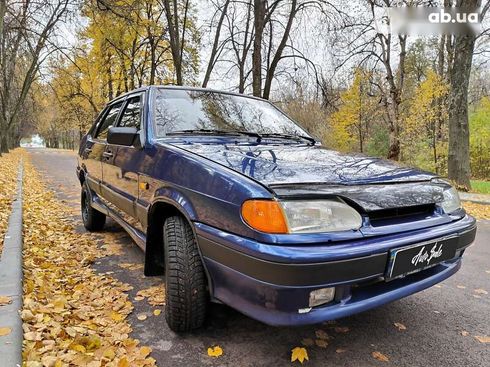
point(126, 136)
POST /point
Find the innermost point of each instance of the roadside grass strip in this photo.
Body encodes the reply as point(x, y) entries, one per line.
point(9, 168)
point(72, 316)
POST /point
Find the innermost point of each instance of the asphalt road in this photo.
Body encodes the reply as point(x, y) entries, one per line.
point(434, 318)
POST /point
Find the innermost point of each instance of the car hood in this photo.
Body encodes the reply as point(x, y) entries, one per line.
point(302, 164)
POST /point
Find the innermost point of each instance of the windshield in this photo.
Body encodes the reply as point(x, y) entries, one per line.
point(186, 110)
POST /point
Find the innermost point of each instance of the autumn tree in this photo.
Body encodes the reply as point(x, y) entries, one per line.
point(351, 122)
point(26, 29)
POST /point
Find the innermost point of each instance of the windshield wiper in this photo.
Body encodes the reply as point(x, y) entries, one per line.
point(215, 132)
point(288, 136)
point(259, 136)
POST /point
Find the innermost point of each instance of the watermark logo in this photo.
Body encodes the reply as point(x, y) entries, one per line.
point(429, 20)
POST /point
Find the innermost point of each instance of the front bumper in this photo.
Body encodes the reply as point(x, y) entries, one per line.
point(271, 283)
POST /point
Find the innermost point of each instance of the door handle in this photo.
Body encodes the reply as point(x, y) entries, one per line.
point(107, 154)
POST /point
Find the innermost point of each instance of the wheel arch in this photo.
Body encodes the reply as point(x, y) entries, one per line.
point(159, 211)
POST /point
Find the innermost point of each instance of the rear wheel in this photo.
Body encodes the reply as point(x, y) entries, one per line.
point(93, 220)
point(185, 281)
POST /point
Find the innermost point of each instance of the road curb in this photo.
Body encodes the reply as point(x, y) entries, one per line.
point(11, 283)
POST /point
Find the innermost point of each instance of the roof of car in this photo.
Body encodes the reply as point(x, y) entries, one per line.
point(171, 86)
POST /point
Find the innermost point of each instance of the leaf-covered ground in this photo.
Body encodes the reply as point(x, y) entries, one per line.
point(479, 211)
point(72, 315)
point(9, 165)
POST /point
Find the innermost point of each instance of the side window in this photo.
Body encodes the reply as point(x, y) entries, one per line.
point(109, 120)
point(131, 113)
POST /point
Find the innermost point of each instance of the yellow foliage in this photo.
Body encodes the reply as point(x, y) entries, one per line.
point(349, 125)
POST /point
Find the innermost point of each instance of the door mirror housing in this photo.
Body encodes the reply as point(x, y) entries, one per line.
point(127, 136)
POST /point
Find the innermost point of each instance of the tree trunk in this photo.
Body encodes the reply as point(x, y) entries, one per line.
point(459, 134)
point(259, 21)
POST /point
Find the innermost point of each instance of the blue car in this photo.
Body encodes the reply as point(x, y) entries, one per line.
point(236, 203)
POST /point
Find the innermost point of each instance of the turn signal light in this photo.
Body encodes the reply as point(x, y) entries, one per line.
point(265, 216)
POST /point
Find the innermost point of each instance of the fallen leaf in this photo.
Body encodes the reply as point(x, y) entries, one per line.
point(341, 329)
point(487, 271)
point(465, 333)
point(299, 354)
point(157, 312)
point(123, 362)
point(215, 351)
point(139, 298)
point(141, 317)
point(438, 286)
point(116, 316)
point(480, 291)
point(5, 300)
point(340, 350)
point(476, 296)
point(321, 334)
point(322, 343)
point(400, 326)
point(380, 356)
point(5, 331)
point(483, 339)
point(460, 286)
point(307, 342)
point(145, 351)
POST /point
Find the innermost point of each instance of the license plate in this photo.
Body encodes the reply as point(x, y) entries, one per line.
point(411, 259)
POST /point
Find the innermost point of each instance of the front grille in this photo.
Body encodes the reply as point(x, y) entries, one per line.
point(408, 214)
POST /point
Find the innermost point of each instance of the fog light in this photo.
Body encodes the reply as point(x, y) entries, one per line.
point(321, 296)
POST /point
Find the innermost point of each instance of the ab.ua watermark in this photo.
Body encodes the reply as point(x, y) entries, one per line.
point(430, 20)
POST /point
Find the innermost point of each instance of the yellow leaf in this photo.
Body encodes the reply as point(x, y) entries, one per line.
point(78, 348)
point(123, 362)
point(144, 351)
point(5, 300)
point(380, 356)
point(5, 331)
point(157, 312)
point(483, 339)
point(215, 351)
point(400, 326)
point(299, 354)
point(116, 316)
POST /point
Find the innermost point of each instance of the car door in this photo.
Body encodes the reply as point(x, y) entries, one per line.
point(95, 145)
point(120, 177)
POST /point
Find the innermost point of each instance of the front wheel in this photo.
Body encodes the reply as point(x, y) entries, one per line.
point(93, 220)
point(185, 281)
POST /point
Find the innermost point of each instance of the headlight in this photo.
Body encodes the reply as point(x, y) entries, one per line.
point(451, 200)
point(300, 216)
point(320, 216)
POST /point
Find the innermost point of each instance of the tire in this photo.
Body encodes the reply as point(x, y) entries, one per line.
point(185, 280)
point(93, 220)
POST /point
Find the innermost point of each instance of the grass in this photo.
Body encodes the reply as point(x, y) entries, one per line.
point(481, 187)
